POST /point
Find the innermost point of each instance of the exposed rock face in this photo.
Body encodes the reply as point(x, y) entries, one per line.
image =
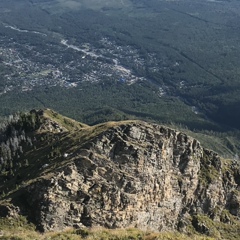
point(9, 211)
point(137, 174)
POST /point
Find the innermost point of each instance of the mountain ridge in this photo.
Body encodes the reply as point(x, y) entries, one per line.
point(116, 175)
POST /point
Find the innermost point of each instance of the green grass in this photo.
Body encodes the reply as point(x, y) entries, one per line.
point(217, 229)
point(66, 122)
point(20, 229)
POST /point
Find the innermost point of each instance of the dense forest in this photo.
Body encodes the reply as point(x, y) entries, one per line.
point(184, 53)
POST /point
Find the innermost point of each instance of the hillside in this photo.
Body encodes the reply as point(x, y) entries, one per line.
point(59, 173)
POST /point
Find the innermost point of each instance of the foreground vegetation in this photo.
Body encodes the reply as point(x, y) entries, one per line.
point(19, 229)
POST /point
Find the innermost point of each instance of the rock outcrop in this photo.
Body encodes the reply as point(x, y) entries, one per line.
point(60, 173)
point(135, 174)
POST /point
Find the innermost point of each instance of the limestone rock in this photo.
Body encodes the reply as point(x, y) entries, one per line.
point(134, 175)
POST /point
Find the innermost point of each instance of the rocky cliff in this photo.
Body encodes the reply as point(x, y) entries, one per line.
point(132, 174)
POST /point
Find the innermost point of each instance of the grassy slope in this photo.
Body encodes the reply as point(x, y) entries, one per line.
point(66, 122)
point(19, 229)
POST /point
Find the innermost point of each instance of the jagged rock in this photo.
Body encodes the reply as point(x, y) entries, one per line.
point(9, 211)
point(138, 175)
point(133, 174)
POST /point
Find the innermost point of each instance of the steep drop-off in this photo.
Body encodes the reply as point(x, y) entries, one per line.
point(121, 174)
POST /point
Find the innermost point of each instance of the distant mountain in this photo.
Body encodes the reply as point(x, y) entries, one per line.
point(59, 173)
